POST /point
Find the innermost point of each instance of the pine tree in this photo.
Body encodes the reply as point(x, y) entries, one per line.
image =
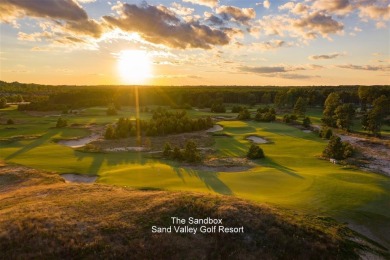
point(344, 115)
point(167, 149)
point(331, 103)
point(110, 132)
point(306, 122)
point(300, 107)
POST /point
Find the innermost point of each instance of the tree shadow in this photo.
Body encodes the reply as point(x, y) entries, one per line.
point(37, 142)
point(111, 159)
point(209, 178)
point(212, 182)
point(268, 162)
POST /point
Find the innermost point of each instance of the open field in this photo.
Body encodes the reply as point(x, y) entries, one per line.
point(291, 176)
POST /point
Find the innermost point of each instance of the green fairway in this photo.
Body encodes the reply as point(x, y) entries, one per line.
point(290, 176)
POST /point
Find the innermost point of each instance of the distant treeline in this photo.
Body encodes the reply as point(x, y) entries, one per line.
point(44, 97)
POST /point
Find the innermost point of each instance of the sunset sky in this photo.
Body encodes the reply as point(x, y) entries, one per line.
point(195, 42)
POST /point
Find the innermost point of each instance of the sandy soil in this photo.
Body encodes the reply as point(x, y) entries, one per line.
point(228, 164)
point(77, 143)
point(375, 152)
point(127, 149)
point(97, 133)
point(224, 118)
point(215, 128)
point(257, 139)
point(69, 177)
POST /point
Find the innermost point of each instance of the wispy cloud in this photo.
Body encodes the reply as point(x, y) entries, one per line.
point(366, 67)
point(326, 56)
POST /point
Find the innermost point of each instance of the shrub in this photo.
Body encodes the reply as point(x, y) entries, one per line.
point(176, 154)
point(267, 116)
point(347, 150)
point(237, 109)
point(61, 122)
point(10, 122)
point(218, 108)
point(306, 122)
point(337, 149)
point(191, 153)
point(110, 132)
point(111, 111)
point(3, 102)
point(289, 118)
point(326, 132)
point(255, 152)
point(167, 149)
point(244, 115)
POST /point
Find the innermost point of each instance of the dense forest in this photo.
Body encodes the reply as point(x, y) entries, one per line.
point(43, 97)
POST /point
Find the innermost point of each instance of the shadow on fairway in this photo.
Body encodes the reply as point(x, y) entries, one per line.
point(37, 142)
point(111, 159)
point(268, 162)
point(210, 179)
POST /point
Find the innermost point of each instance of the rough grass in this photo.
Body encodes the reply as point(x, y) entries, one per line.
point(42, 217)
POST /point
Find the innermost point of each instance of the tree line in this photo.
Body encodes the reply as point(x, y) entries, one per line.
point(163, 122)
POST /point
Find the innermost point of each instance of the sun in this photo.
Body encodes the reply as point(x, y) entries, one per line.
point(134, 66)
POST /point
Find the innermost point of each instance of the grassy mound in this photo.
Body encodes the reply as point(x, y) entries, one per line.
point(42, 217)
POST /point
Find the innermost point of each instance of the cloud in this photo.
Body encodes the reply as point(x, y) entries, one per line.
point(320, 22)
point(306, 27)
point(375, 12)
point(279, 71)
point(159, 25)
point(242, 15)
point(325, 56)
point(87, 27)
point(340, 7)
point(74, 16)
point(86, 1)
point(209, 3)
point(266, 4)
point(262, 70)
point(57, 9)
point(213, 19)
point(269, 45)
point(181, 10)
point(366, 67)
point(295, 8)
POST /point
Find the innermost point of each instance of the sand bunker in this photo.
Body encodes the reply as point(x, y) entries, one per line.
point(127, 149)
point(215, 128)
point(224, 117)
point(77, 143)
point(257, 140)
point(70, 177)
point(306, 131)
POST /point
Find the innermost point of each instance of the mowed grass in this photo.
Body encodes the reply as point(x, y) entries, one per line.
point(291, 175)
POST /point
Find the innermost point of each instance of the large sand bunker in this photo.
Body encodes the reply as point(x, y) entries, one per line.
point(77, 143)
point(257, 139)
point(70, 177)
point(215, 128)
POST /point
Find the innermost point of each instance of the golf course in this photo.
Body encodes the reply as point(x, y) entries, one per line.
point(292, 175)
